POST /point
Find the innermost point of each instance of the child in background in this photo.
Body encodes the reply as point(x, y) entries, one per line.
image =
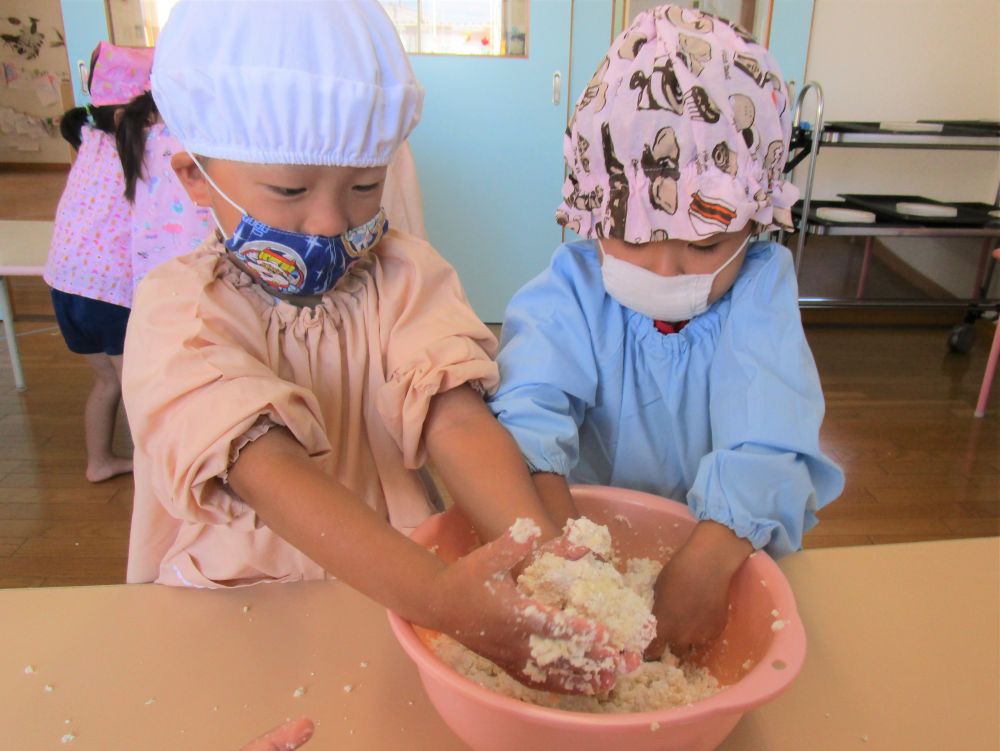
point(166, 224)
point(665, 352)
point(285, 381)
point(88, 266)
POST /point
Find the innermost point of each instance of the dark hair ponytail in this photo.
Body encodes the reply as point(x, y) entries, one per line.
point(133, 126)
point(102, 118)
point(72, 123)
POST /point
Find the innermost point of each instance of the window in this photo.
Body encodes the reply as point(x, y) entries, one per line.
point(137, 23)
point(496, 28)
point(435, 27)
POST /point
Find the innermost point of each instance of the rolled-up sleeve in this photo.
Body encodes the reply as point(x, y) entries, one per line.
point(196, 379)
point(766, 476)
point(548, 372)
point(431, 341)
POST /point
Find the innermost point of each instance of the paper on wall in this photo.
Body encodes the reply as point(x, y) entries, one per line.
point(10, 74)
point(45, 90)
point(6, 120)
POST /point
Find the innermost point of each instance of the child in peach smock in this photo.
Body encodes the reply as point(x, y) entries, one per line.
point(286, 381)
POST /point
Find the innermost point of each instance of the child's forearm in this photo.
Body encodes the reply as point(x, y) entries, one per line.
point(553, 490)
point(481, 465)
point(336, 529)
point(719, 546)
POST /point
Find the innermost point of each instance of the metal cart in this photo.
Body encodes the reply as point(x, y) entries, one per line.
point(809, 138)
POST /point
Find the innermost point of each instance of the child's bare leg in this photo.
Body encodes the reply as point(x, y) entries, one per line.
point(99, 419)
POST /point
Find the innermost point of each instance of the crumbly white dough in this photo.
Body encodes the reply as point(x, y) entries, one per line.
point(655, 685)
point(592, 588)
point(524, 529)
point(586, 533)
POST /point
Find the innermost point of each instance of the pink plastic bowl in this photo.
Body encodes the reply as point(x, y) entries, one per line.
point(754, 661)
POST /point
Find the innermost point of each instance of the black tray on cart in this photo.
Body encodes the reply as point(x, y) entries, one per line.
point(948, 128)
point(818, 204)
point(983, 209)
point(884, 207)
point(981, 127)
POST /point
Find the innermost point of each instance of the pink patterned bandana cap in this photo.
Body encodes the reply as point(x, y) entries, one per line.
point(120, 74)
point(682, 133)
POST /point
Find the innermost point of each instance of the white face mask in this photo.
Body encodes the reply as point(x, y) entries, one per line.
point(662, 298)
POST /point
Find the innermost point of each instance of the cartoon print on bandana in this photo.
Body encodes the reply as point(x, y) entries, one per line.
point(584, 201)
point(683, 18)
point(752, 67)
point(700, 106)
point(669, 80)
point(694, 52)
point(774, 162)
point(618, 187)
point(660, 90)
point(710, 215)
point(659, 162)
point(563, 220)
point(631, 44)
point(744, 114)
point(596, 88)
point(724, 158)
point(582, 144)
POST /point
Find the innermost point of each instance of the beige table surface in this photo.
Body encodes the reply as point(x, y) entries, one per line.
point(903, 654)
point(24, 247)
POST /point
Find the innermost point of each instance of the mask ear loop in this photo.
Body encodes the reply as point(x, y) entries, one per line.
point(218, 190)
point(602, 254)
point(733, 256)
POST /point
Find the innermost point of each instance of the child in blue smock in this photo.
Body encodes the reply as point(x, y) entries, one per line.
point(665, 352)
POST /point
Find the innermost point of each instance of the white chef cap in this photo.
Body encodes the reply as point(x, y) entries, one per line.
point(322, 82)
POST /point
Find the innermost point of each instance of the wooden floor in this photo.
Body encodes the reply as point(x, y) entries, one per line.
point(899, 420)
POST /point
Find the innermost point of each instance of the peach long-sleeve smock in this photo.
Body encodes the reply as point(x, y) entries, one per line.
point(211, 359)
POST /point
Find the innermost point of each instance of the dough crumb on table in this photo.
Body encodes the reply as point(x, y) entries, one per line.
point(592, 588)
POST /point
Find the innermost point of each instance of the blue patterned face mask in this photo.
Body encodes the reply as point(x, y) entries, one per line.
point(292, 263)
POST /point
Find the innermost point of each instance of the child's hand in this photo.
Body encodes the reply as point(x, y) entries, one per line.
point(692, 592)
point(285, 737)
point(479, 606)
point(559, 546)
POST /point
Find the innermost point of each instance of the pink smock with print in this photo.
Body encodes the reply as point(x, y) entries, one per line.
point(165, 222)
point(210, 358)
point(90, 255)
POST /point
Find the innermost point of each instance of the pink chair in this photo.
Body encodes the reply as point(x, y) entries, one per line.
point(991, 364)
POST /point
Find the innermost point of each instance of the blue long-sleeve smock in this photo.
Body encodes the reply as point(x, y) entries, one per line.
point(725, 413)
